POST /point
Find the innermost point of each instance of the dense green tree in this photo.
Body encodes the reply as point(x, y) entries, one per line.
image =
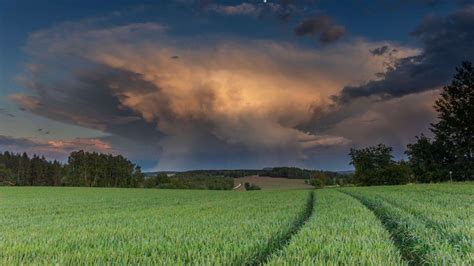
point(427, 160)
point(375, 166)
point(455, 129)
point(451, 152)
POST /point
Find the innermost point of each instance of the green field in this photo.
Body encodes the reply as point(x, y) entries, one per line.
point(412, 224)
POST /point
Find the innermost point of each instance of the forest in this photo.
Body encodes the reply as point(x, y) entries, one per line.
point(87, 169)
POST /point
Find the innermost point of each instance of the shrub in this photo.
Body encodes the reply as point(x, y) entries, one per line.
point(249, 186)
point(316, 182)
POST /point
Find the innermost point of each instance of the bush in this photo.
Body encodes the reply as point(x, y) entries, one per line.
point(396, 174)
point(316, 182)
point(249, 186)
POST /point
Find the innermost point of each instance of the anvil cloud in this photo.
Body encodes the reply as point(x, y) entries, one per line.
point(187, 101)
point(205, 101)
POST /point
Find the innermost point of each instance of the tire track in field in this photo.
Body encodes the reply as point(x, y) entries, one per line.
point(279, 243)
point(392, 227)
point(453, 238)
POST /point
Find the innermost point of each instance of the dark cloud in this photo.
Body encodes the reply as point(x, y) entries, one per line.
point(90, 96)
point(447, 41)
point(286, 10)
point(321, 26)
point(380, 50)
point(241, 9)
point(91, 101)
point(282, 10)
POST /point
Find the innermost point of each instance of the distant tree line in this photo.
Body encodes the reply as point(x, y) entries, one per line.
point(285, 172)
point(316, 178)
point(448, 156)
point(89, 169)
point(92, 169)
point(297, 173)
point(194, 181)
point(235, 173)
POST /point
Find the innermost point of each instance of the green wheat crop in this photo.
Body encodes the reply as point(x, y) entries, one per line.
point(138, 226)
point(431, 227)
point(341, 232)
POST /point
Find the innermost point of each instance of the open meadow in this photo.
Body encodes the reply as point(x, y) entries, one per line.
point(396, 225)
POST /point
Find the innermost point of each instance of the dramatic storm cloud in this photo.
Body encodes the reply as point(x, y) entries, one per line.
point(214, 84)
point(187, 103)
point(447, 41)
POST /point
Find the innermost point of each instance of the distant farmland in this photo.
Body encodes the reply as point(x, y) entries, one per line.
point(397, 225)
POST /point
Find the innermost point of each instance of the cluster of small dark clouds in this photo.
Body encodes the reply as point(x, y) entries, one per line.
point(320, 26)
point(447, 41)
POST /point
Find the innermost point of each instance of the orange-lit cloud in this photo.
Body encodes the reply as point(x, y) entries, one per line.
point(196, 101)
point(54, 149)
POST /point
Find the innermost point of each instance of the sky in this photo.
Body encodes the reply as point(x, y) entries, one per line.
point(207, 84)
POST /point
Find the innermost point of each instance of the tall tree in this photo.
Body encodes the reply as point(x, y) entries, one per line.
point(455, 128)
